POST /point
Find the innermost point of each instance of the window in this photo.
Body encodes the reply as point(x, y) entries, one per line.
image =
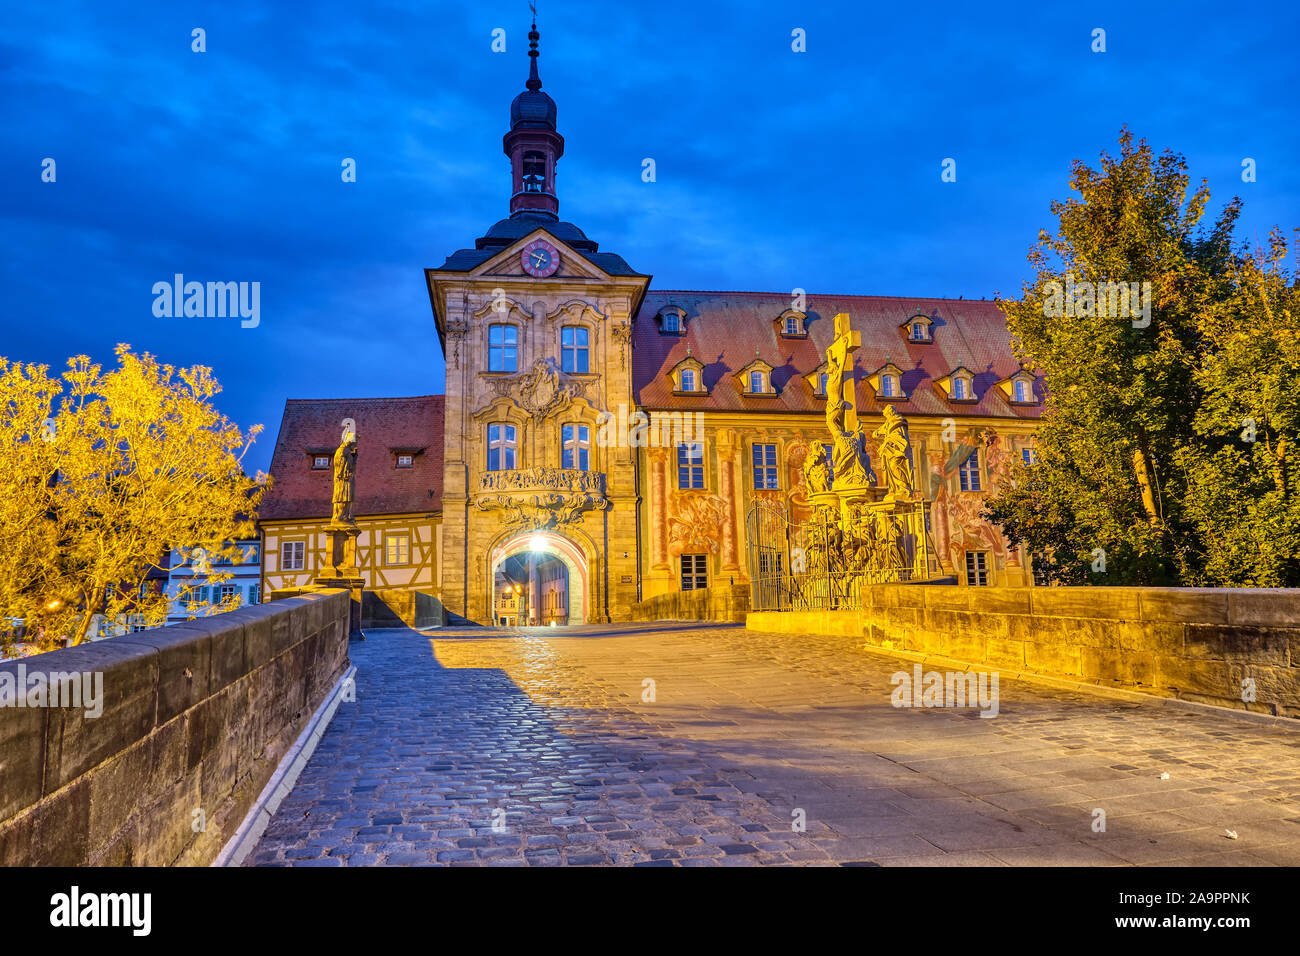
point(575, 442)
point(791, 325)
point(573, 349)
point(405, 461)
point(977, 569)
point(503, 348)
point(501, 447)
point(695, 572)
point(887, 386)
point(688, 380)
point(534, 171)
point(320, 462)
point(958, 389)
point(1021, 390)
point(292, 555)
point(821, 383)
point(918, 332)
point(252, 594)
point(969, 472)
point(1029, 456)
point(764, 466)
point(690, 465)
point(229, 594)
point(670, 323)
point(756, 382)
point(397, 549)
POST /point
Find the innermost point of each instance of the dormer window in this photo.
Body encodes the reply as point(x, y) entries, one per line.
point(919, 330)
point(672, 320)
point(790, 324)
point(887, 381)
point(687, 376)
point(755, 379)
point(688, 380)
point(822, 379)
point(320, 462)
point(405, 461)
point(1019, 388)
point(958, 385)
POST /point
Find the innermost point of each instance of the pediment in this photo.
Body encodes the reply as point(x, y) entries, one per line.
point(506, 263)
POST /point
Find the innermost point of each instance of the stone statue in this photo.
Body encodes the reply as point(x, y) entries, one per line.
point(850, 465)
point(345, 479)
point(816, 470)
point(895, 456)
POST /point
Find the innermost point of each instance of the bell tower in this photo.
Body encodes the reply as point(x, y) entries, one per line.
point(533, 145)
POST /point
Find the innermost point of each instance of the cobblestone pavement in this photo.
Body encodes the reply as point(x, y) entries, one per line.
point(534, 747)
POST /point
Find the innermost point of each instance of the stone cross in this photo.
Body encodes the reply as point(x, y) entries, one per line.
point(847, 341)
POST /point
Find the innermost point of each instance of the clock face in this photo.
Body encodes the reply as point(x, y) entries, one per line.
point(540, 259)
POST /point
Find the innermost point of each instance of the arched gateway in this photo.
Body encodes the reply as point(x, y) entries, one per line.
point(537, 578)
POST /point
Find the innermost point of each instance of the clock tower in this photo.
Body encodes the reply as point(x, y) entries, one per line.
point(540, 519)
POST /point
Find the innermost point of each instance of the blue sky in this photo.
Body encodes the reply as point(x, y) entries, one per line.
point(775, 169)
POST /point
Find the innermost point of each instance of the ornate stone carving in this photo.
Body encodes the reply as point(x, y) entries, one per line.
point(541, 498)
point(622, 333)
point(541, 388)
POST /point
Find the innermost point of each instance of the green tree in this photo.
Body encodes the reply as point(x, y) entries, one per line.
point(1136, 463)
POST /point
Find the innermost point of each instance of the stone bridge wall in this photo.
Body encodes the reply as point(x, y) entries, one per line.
point(196, 717)
point(726, 602)
point(1197, 644)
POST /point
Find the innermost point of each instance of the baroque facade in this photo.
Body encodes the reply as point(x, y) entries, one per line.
point(601, 442)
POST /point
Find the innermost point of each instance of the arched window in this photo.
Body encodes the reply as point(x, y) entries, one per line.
point(1022, 390)
point(669, 323)
point(573, 349)
point(503, 348)
point(688, 380)
point(501, 447)
point(756, 381)
point(791, 325)
point(534, 172)
point(575, 447)
point(918, 332)
point(887, 386)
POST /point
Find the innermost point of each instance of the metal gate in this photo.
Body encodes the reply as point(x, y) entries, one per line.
point(767, 541)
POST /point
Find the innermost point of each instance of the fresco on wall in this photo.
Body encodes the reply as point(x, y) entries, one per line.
point(955, 520)
point(695, 523)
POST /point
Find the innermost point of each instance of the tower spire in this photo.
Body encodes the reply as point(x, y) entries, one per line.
point(534, 81)
point(533, 144)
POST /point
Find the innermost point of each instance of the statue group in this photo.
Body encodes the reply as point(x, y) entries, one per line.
point(858, 535)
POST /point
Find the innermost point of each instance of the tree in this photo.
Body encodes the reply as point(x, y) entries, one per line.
point(101, 475)
point(1136, 482)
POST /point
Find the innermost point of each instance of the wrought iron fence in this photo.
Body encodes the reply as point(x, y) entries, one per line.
point(825, 562)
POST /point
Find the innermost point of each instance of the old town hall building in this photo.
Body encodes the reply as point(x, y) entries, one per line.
point(529, 493)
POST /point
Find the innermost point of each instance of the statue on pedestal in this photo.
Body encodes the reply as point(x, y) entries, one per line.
point(895, 456)
point(345, 480)
point(816, 470)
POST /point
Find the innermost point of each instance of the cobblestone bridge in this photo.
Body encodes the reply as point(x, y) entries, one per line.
point(539, 747)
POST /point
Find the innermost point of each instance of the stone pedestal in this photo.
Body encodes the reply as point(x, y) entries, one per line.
point(343, 572)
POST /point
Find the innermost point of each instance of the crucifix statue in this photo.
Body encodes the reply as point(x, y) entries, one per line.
point(850, 463)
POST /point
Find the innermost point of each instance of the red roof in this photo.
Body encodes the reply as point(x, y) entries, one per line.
point(385, 426)
point(724, 328)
